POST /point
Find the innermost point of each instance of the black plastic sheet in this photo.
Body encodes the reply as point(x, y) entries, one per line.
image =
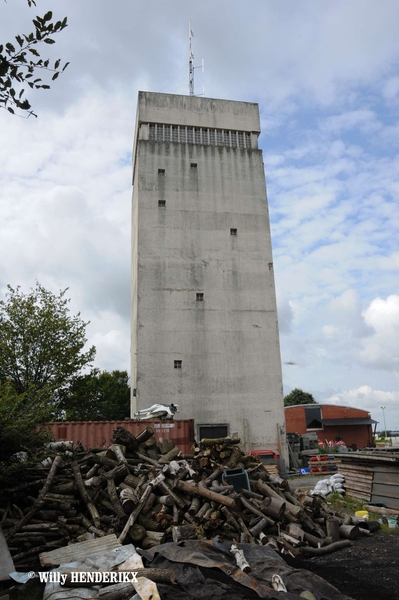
point(206, 569)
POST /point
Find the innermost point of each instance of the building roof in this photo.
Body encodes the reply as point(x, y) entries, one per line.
point(352, 421)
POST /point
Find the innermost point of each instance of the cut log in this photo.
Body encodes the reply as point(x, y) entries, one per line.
point(194, 489)
point(137, 533)
point(152, 538)
point(85, 496)
point(350, 532)
point(166, 446)
point(171, 455)
point(144, 435)
point(114, 498)
point(222, 441)
point(234, 458)
point(241, 561)
point(274, 507)
point(256, 511)
point(184, 532)
point(40, 500)
point(125, 438)
point(266, 490)
point(308, 552)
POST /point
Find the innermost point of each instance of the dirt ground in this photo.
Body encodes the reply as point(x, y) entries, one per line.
point(368, 570)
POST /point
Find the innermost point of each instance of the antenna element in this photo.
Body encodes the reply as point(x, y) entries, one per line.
point(191, 61)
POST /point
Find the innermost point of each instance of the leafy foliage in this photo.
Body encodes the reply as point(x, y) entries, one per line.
point(98, 396)
point(298, 396)
point(40, 342)
point(20, 63)
point(21, 418)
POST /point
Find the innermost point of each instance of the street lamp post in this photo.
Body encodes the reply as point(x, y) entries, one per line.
point(385, 425)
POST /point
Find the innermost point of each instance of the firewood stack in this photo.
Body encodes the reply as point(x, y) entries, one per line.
point(148, 494)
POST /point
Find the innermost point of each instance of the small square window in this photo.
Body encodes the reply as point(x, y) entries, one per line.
point(177, 364)
point(161, 171)
point(162, 203)
point(233, 231)
point(200, 297)
point(193, 165)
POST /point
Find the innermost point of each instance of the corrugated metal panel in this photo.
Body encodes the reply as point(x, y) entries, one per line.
point(98, 434)
point(75, 552)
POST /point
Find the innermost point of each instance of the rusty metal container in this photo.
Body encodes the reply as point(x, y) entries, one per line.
point(98, 434)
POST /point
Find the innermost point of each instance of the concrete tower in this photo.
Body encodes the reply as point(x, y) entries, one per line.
point(204, 318)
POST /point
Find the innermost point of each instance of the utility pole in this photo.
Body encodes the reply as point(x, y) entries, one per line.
point(385, 425)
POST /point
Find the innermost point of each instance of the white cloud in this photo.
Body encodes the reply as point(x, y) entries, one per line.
point(372, 400)
point(391, 89)
point(382, 349)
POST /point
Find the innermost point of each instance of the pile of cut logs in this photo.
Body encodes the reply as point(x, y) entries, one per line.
point(148, 494)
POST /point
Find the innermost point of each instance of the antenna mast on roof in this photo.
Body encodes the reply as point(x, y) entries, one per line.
point(191, 61)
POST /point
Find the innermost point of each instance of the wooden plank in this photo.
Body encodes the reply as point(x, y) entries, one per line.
point(358, 494)
point(60, 556)
point(386, 478)
point(385, 489)
point(386, 469)
point(354, 482)
point(356, 486)
point(358, 477)
point(389, 502)
point(347, 467)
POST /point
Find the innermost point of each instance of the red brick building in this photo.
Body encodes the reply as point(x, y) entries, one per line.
point(332, 423)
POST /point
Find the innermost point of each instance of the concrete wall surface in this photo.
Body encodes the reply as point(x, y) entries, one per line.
point(228, 343)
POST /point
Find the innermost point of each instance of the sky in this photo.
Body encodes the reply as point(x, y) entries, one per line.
point(326, 78)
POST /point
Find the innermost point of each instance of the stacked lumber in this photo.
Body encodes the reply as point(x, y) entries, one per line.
point(372, 475)
point(358, 480)
point(147, 493)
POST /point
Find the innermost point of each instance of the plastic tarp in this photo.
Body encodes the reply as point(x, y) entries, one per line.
point(206, 569)
point(103, 562)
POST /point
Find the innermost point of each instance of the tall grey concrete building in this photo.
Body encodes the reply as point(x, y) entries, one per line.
point(204, 319)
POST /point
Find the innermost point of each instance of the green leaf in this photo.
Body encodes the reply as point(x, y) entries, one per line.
point(4, 65)
point(48, 16)
point(46, 63)
point(65, 66)
point(12, 92)
point(20, 93)
point(10, 110)
point(57, 64)
point(49, 41)
point(55, 75)
point(10, 47)
point(34, 51)
point(45, 87)
point(64, 23)
point(19, 40)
